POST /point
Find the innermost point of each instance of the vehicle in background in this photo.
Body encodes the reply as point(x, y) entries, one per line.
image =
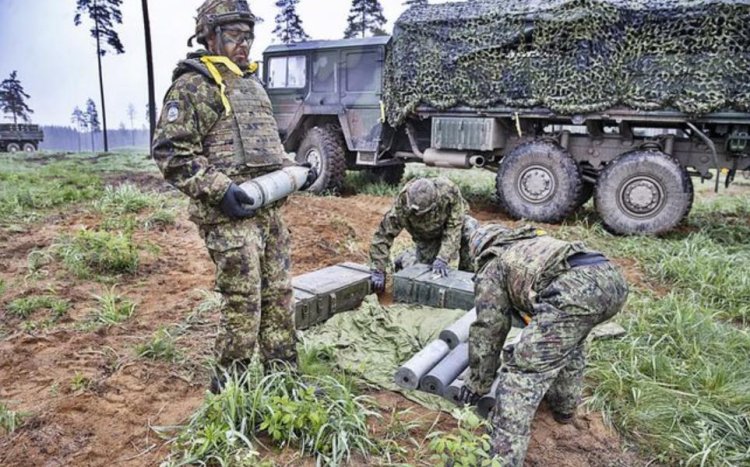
point(14, 138)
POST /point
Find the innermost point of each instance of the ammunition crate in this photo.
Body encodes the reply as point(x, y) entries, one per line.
point(318, 295)
point(417, 284)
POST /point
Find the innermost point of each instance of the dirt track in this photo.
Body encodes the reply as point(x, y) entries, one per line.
point(109, 422)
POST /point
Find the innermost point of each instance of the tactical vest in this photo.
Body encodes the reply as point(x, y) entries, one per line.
point(247, 139)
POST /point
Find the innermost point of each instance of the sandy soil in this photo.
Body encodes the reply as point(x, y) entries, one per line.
point(110, 421)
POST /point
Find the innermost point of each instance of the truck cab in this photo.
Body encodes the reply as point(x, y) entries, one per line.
point(326, 97)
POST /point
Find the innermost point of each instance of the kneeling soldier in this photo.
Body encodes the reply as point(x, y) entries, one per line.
point(565, 290)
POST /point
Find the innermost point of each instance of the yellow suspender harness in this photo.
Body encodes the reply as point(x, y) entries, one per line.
point(210, 61)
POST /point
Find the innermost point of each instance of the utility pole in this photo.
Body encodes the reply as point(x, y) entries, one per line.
point(150, 71)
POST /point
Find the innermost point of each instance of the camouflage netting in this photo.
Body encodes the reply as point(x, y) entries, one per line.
point(571, 56)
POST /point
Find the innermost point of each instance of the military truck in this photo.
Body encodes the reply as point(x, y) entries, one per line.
point(14, 138)
point(376, 103)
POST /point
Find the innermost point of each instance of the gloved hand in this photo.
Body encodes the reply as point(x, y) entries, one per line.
point(231, 203)
point(377, 278)
point(312, 175)
point(467, 396)
point(440, 267)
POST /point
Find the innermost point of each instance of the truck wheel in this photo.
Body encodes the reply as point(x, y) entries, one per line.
point(390, 174)
point(13, 147)
point(323, 147)
point(643, 192)
point(539, 181)
point(29, 147)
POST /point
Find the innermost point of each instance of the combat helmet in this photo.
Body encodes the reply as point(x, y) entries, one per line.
point(421, 196)
point(215, 13)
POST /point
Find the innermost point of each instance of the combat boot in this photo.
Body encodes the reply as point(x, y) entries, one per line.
point(219, 378)
point(563, 419)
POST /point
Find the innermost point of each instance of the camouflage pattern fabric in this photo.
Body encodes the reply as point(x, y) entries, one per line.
point(201, 148)
point(549, 358)
point(426, 252)
point(571, 56)
point(436, 232)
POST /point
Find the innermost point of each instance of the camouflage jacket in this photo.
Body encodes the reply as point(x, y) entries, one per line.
point(443, 223)
point(198, 144)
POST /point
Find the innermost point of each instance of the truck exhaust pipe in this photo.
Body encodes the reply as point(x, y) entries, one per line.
point(447, 159)
point(477, 161)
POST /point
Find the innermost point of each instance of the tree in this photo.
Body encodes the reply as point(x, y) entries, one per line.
point(13, 99)
point(411, 3)
point(365, 15)
point(288, 24)
point(92, 120)
point(103, 13)
point(80, 122)
point(131, 114)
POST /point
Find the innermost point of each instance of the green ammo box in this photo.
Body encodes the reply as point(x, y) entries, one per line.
point(417, 284)
point(318, 295)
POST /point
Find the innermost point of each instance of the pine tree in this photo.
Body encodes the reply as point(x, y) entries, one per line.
point(13, 99)
point(131, 114)
point(103, 13)
point(92, 120)
point(288, 24)
point(80, 123)
point(364, 16)
point(411, 3)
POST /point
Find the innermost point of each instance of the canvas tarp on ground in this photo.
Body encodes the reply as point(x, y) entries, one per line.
point(571, 56)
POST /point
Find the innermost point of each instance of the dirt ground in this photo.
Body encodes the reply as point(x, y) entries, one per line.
point(110, 420)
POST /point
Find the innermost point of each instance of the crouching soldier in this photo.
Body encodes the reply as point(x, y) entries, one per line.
point(565, 290)
point(433, 211)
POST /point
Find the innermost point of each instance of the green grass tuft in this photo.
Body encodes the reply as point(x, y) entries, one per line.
point(25, 307)
point(9, 420)
point(125, 199)
point(113, 309)
point(91, 252)
point(161, 346)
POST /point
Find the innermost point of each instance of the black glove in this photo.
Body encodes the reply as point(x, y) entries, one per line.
point(440, 267)
point(232, 203)
point(467, 396)
point(378, 281)
point(312, 175)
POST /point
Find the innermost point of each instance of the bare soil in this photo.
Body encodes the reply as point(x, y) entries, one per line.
point(91, 402)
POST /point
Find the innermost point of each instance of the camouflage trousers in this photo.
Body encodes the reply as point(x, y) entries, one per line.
point(252, 274)
point(550, 357)
point(425, 252)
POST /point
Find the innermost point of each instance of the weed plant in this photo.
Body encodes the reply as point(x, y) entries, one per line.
point(9, 419)
point(316, 414)
point(161, 346)
point(679, 384)
point(80, 382)
point(91, 252)
point(125, 199)
point(25, 307)
point(160, 219)
point(465, 448)
point(113, 309)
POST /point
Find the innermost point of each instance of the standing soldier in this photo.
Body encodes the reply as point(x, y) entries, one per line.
point(433, 211)
point(216, 131)
point(564, 290)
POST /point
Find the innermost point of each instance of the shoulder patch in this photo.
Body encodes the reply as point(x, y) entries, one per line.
point(173, 111)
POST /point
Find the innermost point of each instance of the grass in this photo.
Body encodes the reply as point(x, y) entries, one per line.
point(330, 424)
point(89, 252)
point(80, 382)
point(25, 307)
point(679, 384)
point(125, 199)
point(161, 346)
point(9, 419)
point(112, 308)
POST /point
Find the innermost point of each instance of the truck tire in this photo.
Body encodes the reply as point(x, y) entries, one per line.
point(643, 192)
point(13, 147)
point(323, 147)
point(29, 147)
point(539, 181)
point(587, 191)
point(389, 174)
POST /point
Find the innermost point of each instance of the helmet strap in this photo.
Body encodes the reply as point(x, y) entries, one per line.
point(219, 41)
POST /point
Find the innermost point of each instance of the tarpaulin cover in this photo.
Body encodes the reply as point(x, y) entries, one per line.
point(373, 341)
point(571, 56)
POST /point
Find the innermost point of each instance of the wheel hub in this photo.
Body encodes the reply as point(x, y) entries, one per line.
point(642, 196)
point(536, 184)
point(313, 157)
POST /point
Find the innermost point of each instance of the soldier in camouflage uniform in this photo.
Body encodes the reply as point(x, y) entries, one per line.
point(562, 290)
point(433, 211)
point(216, 131)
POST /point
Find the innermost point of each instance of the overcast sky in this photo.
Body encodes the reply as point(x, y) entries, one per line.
point(56, 61)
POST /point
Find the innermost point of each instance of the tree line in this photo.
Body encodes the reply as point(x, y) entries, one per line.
point(365, 17)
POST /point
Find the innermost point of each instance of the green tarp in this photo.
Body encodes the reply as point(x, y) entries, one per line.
point(571, 56)
point(373, 341)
